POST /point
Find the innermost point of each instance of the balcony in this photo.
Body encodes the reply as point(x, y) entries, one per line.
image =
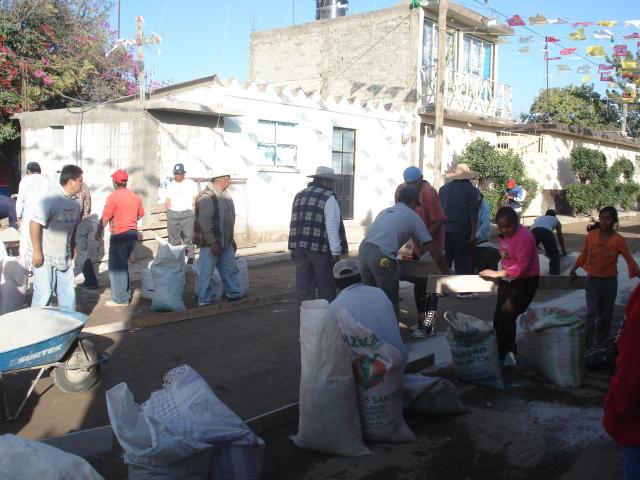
point(468, 93)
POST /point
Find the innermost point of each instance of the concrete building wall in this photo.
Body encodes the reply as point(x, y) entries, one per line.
point(371, 55)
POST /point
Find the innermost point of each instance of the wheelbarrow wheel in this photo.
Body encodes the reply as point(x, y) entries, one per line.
point(70, 379)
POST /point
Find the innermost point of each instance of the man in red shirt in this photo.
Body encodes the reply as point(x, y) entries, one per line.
point(431, 213)
point(122, 212)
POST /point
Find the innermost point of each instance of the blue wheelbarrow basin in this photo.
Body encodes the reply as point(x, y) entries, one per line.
point(34, 337)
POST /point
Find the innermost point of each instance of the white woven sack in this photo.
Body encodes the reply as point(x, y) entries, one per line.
point(329, 420)
point(560, 344)
point(378, 370)
point(167, 271)
point(243, 275)
point(13, 285)
point(474, 350)
point(147, 284)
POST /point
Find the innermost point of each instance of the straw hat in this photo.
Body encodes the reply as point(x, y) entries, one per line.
point(462, 172)
point(325, 172)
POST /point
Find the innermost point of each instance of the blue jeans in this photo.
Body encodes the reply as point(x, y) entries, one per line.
point(228, 269)
point(457, 251)
point(632, 462)
point(48, 279)
point(385, 276)
point(120, 247)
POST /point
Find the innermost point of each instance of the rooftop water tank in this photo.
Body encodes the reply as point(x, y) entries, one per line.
point(331, 8)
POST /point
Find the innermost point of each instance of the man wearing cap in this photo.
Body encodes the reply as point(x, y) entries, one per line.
point(460, 201)
point(180, 203)
point(121, 212)
point(215, 218)
point(52, 230)
point(33, 187)
point(316, 236)
point(430, 211)
point(368, 305)
point(515, 195)
point(542, 230)
point(389, 231)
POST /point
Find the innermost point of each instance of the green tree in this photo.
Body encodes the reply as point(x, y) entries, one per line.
point(52, 51)
point(496, 168)
point(580, 106)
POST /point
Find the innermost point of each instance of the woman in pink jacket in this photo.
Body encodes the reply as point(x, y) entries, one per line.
point(622, 403)
point(517, 280)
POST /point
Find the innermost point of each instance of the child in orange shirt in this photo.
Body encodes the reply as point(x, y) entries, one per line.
point(599, 258)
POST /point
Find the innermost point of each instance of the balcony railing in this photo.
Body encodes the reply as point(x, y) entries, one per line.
point(468, 93)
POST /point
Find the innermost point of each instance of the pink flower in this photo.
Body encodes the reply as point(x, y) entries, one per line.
point(46, 62)
point(39, 73)
point(47, 81)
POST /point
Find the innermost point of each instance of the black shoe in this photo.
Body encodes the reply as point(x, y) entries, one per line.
point(190, 261)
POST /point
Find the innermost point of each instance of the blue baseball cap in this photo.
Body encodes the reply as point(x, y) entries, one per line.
point(411, 174)
point(178, 169)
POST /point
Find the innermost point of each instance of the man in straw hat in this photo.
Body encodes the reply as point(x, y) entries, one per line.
point(316, 236)
point(460, 200)
point(215, 218)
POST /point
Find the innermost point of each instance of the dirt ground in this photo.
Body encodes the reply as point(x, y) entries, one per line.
point(250, 357)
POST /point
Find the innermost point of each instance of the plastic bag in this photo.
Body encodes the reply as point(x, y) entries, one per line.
point(474, 350)
point(167, 272)
point(560, 344)
point(21, 458)
point(377, 368)
point(183, 431)
point(13, 285)
point(329, 420)
point(430, 396)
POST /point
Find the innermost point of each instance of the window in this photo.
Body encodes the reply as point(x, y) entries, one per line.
point(430, 47)
point(277, 143)
point(477, 57)
point(343, 163)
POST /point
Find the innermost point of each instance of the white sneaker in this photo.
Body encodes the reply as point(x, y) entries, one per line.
point(510, 360)
point(464, 295)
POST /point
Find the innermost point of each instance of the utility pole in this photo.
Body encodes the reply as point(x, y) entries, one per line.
point(141, 41)
point(443, 5)
point(623, 124)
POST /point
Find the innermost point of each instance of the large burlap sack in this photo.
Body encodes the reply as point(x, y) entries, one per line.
point(183, 431)
point(560, 343)
point(474, 350)
point(21, 458)
point(430, 396)
point(329, 420)
point(13, 285)
point(377, 368)
point(167, 272)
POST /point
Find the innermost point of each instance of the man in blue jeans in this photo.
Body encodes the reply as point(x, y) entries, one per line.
point(215, 217)
point(52, 232)
point(121, 212)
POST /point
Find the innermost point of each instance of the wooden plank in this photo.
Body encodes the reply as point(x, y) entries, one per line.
point(274, 419)
point(474, 283)
point(164, 318)
point(418, 364)
point(416, 269)
point(84, 443)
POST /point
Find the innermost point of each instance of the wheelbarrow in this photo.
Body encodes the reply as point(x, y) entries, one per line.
point(43, 339)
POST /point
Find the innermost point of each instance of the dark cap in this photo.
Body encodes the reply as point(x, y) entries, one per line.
point(178, 169)
point(33, 167)
point(551, 212)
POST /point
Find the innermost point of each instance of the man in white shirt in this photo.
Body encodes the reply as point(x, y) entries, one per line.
point(33, 187)
point(542, 230)
point(179, 203)
point(368, 305)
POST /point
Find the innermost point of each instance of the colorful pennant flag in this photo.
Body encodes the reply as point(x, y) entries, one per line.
point(515, 21)
point(633, 35)
point(620, 51)
point(585, 78)
point(632, 23)
point(596, 51)
point(608, 23)
point(538, 19)
point(551, 39)
point(603, 66)
point(628, 64)
point(578, 35)
point(563, 67)
point(605, 77)
point(583, 69)
point(567, 51)
point(603, 34)
point(581, 24)
point(525, 50)
point(528, 39)
point(557, 21)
